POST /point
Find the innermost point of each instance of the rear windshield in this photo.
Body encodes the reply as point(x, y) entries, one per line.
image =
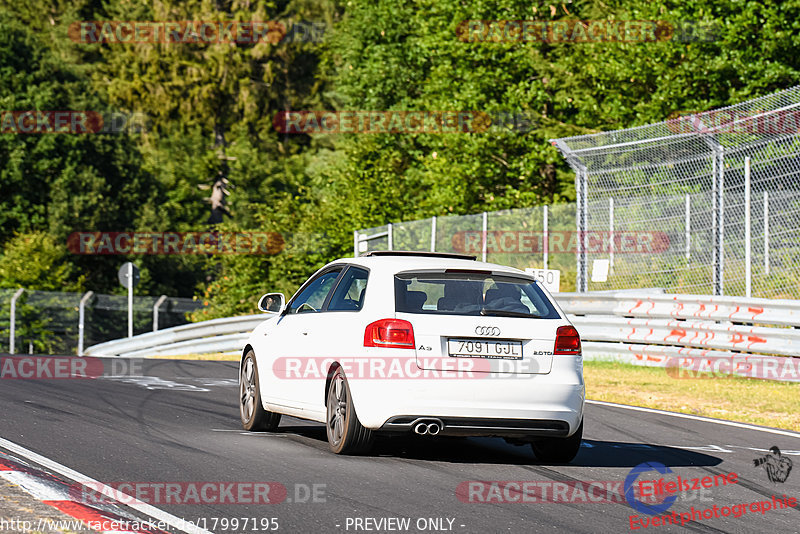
point(471, 293)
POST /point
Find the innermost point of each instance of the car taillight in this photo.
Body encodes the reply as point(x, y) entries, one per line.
point(389, 333)
point(568, 341)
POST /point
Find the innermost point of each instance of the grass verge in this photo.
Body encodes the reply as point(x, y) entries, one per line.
point(761, 402)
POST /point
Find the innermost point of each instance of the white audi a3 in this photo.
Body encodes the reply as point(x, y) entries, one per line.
point(437, 344)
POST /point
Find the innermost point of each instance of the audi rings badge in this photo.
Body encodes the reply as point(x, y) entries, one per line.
point(487, 330)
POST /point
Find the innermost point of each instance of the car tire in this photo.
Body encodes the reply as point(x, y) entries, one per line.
point(346, 435)
point(558, 450)
point(251, 412)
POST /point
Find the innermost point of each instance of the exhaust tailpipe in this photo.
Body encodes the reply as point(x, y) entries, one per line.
point(428, 426)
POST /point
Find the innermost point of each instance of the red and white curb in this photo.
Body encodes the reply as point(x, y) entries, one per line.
point(57, 493)
point(54, 492)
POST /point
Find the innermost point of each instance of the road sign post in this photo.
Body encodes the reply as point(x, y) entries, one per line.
point(129, 276)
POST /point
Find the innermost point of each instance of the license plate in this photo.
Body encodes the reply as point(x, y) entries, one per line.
point(484, 348)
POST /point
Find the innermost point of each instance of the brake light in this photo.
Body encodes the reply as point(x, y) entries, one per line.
point(568, 341)
point(389, 333)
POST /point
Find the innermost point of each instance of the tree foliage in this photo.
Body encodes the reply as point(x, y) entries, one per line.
point(210, 109)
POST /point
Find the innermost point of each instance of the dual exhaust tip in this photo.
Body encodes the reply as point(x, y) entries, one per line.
point(431, 427)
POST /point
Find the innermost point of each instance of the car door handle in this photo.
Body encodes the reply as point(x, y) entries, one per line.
point(305, 333)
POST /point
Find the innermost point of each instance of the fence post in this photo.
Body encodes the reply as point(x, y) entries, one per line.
point(156, 306)
point(717, 205)
point(748, 264)
point(81, 319)
point(355, 243)
point(390, 236)
point(545, 240)
point(582, 281)
point(766, 232)
point(485, 235)
point(688, 226)
point(611, 231)
point(719, 221)
point(12, 326)
point(433, 233)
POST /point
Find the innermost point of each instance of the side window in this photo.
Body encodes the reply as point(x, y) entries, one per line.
point(349, 295)
point(313, 296)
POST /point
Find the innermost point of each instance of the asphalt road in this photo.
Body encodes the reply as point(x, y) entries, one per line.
point(181, 425)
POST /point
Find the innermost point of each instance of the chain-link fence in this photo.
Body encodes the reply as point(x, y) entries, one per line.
point(49, 322)
point(543, 237)
point(718, 190)
point(705, 203)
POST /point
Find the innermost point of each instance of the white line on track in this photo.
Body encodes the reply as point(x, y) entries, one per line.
point(152, 511)
point(698, 418)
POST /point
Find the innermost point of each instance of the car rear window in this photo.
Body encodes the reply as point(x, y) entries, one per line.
point(472, 293)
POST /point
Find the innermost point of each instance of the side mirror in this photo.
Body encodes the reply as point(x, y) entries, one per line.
point(272, 303)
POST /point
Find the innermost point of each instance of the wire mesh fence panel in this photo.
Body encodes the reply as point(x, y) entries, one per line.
point(460, 234)
point(772, 194)
point(175, 311)
point(412, 235)
point(5, 313)
point(513, 237)
point(680, 189)
point(370, 239)
point(107, 316)
point(46, 322)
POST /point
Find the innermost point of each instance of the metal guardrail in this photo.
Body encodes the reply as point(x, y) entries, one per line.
point(754, 336)
point(668, 306)
point(639, 327)
point(217, 335)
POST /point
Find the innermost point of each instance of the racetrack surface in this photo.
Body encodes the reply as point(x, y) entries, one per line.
point(182, 425)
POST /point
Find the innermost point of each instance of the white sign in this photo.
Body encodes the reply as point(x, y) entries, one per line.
point(600, 270)
point(549, 278)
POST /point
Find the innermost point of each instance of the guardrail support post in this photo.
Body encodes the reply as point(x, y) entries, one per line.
point(355, 243)
point(81, 321)
point(12, 326)
point(156, 306)
point(390, 236)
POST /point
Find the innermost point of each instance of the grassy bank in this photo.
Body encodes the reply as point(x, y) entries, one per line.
point(761, 402)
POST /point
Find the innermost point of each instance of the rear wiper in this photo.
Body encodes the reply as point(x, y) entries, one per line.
point(506, 313)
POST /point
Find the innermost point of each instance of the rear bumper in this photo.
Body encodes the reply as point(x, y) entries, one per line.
point(478, 404)
point(482, 426)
